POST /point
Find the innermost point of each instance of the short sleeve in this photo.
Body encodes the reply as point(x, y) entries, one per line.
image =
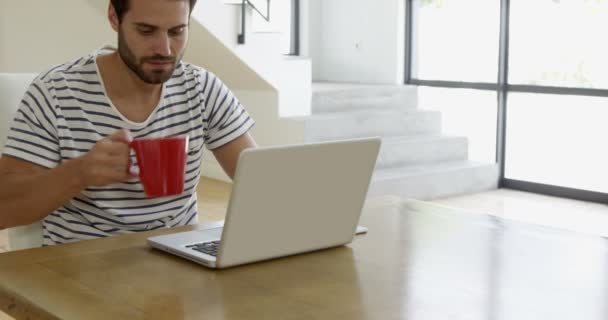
point(33, 131)
point(224, 118)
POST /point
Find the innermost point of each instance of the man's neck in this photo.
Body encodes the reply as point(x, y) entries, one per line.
point(121, 82)
point(134, 98)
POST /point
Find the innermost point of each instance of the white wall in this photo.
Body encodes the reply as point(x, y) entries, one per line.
point(356, 40)
point(311, 37)
point(35, 35)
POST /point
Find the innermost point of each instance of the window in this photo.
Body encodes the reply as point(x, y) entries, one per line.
point(559, 43)
point(456, 40)
point(557, 140)
point(542, 67)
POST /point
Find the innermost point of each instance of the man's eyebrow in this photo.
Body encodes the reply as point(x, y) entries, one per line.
point(179, 26)
point(145, 25)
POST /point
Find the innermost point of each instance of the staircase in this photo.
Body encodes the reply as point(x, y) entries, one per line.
point(415, 159)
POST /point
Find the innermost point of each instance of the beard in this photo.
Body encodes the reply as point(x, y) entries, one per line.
point(154, 76)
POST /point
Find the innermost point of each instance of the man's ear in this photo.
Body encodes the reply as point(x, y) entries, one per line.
point(113, 17)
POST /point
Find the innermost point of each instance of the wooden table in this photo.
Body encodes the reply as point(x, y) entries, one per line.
point(418, 261)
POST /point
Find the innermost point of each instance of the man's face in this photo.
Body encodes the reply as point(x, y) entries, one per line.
point(152, 37)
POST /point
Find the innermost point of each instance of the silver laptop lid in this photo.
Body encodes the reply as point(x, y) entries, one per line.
point(292, 199)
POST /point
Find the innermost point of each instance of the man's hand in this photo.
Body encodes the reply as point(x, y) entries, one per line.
point(108, 162)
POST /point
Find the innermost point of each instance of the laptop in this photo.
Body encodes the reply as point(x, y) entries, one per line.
point(285, 200)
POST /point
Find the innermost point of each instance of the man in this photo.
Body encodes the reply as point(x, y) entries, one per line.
point(67, 159)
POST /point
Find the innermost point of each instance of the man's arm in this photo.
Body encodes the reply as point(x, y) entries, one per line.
point(228, 154)
point(29, 192)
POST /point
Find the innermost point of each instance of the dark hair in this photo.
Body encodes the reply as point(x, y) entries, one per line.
point(122, 6)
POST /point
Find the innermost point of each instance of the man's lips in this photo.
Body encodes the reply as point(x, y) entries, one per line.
point(159, 62)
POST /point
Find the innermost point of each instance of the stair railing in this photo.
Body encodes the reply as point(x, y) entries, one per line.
point(244, 4)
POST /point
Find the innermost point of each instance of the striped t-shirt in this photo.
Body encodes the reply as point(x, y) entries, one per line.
point(66, 110)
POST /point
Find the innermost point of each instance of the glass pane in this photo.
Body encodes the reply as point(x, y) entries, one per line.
point(466, 112)
point(557, 140)
point(456, 40)
point(559, 43)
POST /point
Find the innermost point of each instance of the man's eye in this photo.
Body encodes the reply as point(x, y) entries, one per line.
point(146, 31)
point(177, 32)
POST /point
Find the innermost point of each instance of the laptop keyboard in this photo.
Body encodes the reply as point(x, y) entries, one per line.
point(209, 248)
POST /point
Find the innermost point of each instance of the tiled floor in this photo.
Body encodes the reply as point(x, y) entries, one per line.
point(532, 208)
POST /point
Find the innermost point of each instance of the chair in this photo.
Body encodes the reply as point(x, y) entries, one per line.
point(12, 88)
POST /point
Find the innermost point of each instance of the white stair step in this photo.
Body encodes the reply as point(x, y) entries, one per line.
point(416, 150)
point(354, 90)
point(333, 97)
point(356, 124)
point(435, 180)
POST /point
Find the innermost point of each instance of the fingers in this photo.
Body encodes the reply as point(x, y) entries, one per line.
point(119, 142)
point(120, 145)
point(112, 161)
point(108, 147)
point(114, 174)
point(119, 149)
point(134, 171)
point(123, 165)
point(109, 161)
point(122, 135)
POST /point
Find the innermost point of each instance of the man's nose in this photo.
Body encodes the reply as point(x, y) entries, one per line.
point(162, 46)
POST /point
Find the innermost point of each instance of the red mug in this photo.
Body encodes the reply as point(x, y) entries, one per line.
point(162, 164)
